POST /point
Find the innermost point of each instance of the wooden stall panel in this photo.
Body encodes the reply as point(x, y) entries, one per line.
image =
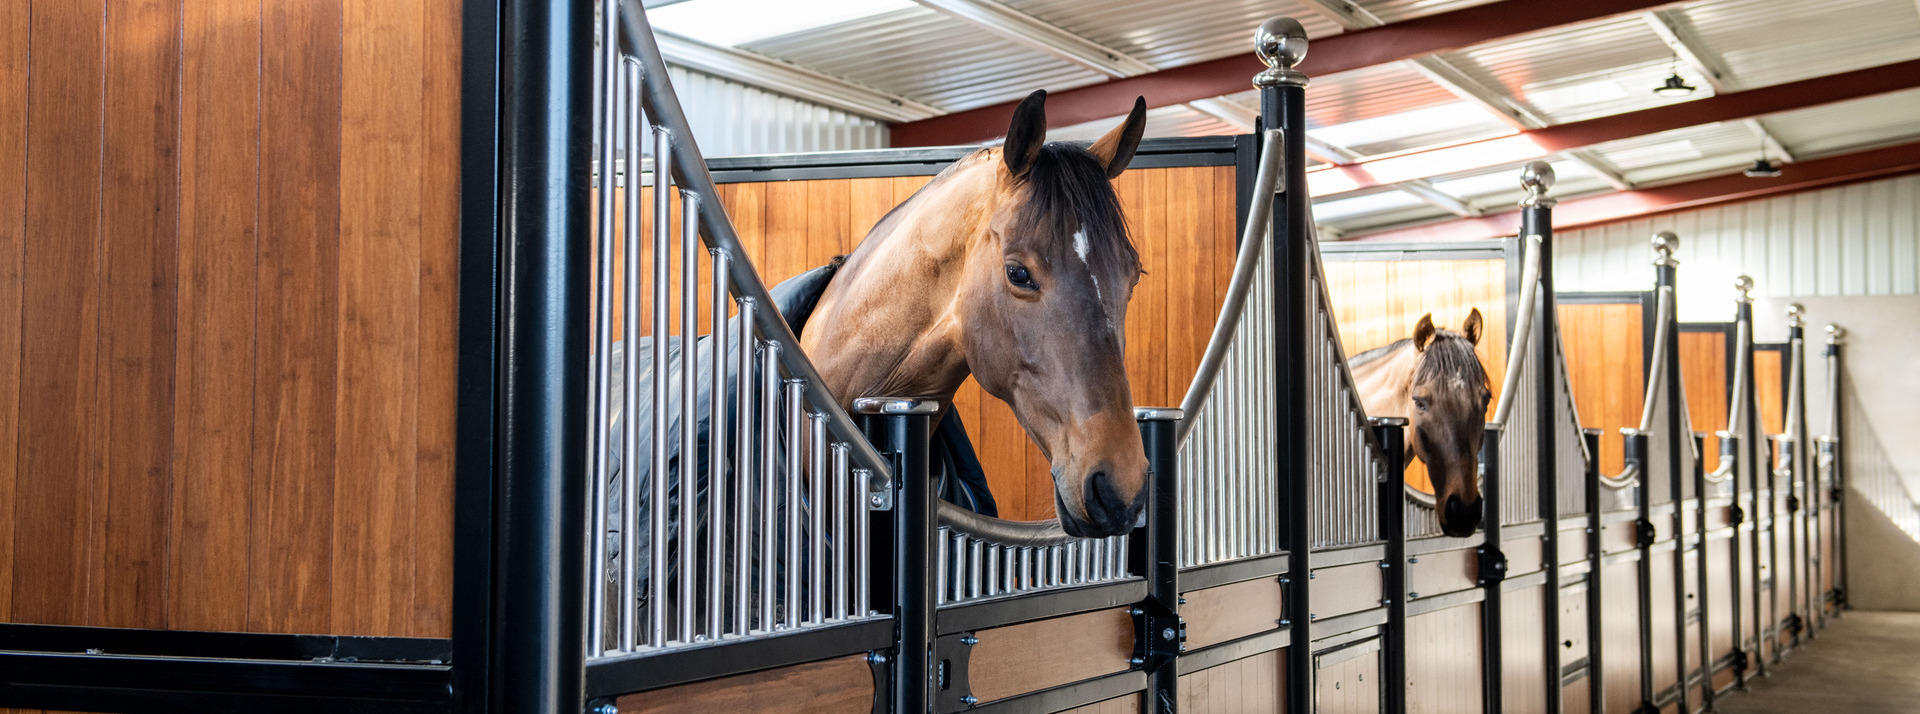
point(1766, 391)
point(1574, 645)
point(1444, 656)
point(1720, 621)
point(1605, 371)
point(1253, 685)
point(1028, 657)
point(1378, 302)
point(1230, 612)
point(1620, 630)
point(829, 687)
point(1575, 697)
point(1430, 574)
point(1345, 589)
point(1129, 704)
point(238, 395)
point(1665, 657)
point(1703, 374)
point(1523, 678)
point(1523, 555)
point(1348, 682)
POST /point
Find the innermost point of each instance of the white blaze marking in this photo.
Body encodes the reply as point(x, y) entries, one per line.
point(1080, 248)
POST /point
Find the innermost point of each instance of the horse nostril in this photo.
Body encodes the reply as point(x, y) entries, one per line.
point(1103, 500)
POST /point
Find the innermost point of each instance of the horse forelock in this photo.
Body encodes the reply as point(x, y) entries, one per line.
point(1067, 206)
point(1451, 356)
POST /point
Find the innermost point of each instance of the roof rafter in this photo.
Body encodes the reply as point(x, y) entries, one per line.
point(1864, 165)
point(1770, 143)
point(792, 80)
point(1393, 42)
point(1691, 50)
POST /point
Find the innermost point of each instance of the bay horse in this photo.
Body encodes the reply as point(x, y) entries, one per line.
point(1014, 265)
point(1435, 380)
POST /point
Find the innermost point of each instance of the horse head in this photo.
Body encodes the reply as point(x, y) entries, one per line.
point(1450, 394)
point(1014, 265)
point(1045, 311)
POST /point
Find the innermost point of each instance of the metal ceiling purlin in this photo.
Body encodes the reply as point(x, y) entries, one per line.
point(1692, 50)
point(794, 81)
point(1025, 29)
point(1361, 48)
point(1770, 142)
point(1818, 173)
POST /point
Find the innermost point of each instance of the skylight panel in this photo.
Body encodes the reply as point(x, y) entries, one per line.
point(1344, 208)
point(731, 23)
point(1444, 119)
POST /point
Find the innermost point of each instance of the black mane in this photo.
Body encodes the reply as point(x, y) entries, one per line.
point(1450, 354)
point(1068, 190)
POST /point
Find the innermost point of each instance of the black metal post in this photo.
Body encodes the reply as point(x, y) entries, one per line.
point(1836, 383)
point(1536, 219)
point(1392, 433)
point(1753, 437)
point(1636, 453)
point(1281, 43)
point(1490, 582)
point(1677, 438)
point(537, 636)
point(1702, 584)
point(903, 543)
point(1162, 536)
point(1596, 632)
point(1797, 502)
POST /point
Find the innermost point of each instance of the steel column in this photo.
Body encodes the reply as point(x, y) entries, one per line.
point(1160, 551)
point(900, 430)
point(1392, 433)
point(1536, 219)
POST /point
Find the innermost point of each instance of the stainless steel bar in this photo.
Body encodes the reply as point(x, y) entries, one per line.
point(974, 558)
point(688, 576)
point(662, 279)
point(817, 521)
point(943, 566)
point(862, 582)
point(718, 476)
point(769, 483)
point(843, 503)
point(744, 471)
point(794, 391)
point(630, 376)
point(992, 570)
point(602, 359)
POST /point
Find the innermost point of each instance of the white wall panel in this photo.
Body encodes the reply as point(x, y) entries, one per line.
point(731, 119)
point(1852, 240)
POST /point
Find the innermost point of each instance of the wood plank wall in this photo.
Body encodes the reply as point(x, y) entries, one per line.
point(1182, 220)
point(1605, 369)
point(1378, 302)
point(1767, 392)
point(1703, 375)
point(228, 234)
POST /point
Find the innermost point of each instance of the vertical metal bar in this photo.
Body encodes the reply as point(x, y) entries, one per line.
point(719, 477)
point(657, 512)
point(602, 360)
point(688, 569)
point(1536, 219)
point(903, 429)
point(630, 377)
point(817, 518)
point(863, 583)
point(769, 483)
point(843, 505)
point(943, 566)
point(744, 471)
point(795, 409)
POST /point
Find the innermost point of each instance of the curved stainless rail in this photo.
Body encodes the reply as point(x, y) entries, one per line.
point(1252, 238)
point(1656, 381)
point(1517, 353)
point(1736, 406)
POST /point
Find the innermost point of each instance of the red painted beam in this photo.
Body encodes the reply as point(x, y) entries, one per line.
point(1641, 203)
point(1538, 143)
point(1352, 50)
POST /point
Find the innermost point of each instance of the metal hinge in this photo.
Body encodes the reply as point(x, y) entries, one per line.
point(952, 691)
point(1793, 503)
point(1493, 565)
point(1159, 635)
point(1643, 533)
point(1736, 515)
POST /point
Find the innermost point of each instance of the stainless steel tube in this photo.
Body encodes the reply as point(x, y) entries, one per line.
point(657, 505)
point(794, 391)
point(601, 415)
point(817, 518)
point(744, 471)
point(843, 503)
point(862, 581)
point(689, 373)
point(630, 376)
point(718, 476)
point(769, 483)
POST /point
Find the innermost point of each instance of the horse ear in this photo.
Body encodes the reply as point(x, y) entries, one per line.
point(1026, 134)
point(1423, 332)
point(1472, 327)
point(1115, 150)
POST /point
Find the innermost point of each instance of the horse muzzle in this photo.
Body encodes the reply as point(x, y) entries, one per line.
point(1459, 519)
point(1108, 512)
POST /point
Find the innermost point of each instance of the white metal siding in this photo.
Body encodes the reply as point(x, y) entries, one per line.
point(731, 119)
point(1851, 240)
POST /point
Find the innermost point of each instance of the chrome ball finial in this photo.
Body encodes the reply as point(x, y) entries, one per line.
point(1796, 315)
point(1743, 288)
point(1537, 177)
point(1664, 245)
point(1281, 43)
point(1835, 334)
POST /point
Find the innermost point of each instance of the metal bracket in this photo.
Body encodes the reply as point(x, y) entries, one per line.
point(1643, 533)
point(1836, 494)
point(881, 662)
point(1493, 565)
point(1159, 635)
point(1736, 515)
point(952, 691)
point(1793, 503)
point(602, 706)
point(1740, 661)
point(879, 492)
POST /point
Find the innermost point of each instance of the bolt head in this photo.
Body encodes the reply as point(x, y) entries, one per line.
point(1167, 634)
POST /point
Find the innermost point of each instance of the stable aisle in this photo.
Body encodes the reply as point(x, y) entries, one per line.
point(1863, 662)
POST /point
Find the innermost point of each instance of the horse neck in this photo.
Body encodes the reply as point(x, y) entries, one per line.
point(889, 323)
point(1385, 383)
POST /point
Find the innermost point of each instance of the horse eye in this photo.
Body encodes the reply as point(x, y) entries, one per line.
point(1420, 403)
point(1018, 275)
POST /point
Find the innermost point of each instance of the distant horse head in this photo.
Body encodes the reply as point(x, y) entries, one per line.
point(1436, 381)
point(1014, 265)
point(1450, 394)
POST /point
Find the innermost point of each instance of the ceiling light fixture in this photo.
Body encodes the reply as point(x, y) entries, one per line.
point(1674, 87)
point(1762, 168)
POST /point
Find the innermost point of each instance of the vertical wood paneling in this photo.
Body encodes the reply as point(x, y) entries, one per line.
point(1252, 685)
point(1444, 656)
point(1523, 660)
point(1766, 392)
point(1605, 372)
point(438, 342)
point(210, 565)
point(128, 556)
point(15, 29)
point(58, 429)
point(296, 401)
point(1703, 374)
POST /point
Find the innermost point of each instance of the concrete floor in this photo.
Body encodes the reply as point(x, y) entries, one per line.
point(1863, 662)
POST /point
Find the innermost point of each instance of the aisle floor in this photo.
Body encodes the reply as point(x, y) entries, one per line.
point(1863, 662)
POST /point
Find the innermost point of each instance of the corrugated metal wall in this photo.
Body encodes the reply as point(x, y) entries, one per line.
point(1852, 240)
point(730, 119)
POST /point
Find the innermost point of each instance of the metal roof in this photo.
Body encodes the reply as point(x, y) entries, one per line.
point(943, 55)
